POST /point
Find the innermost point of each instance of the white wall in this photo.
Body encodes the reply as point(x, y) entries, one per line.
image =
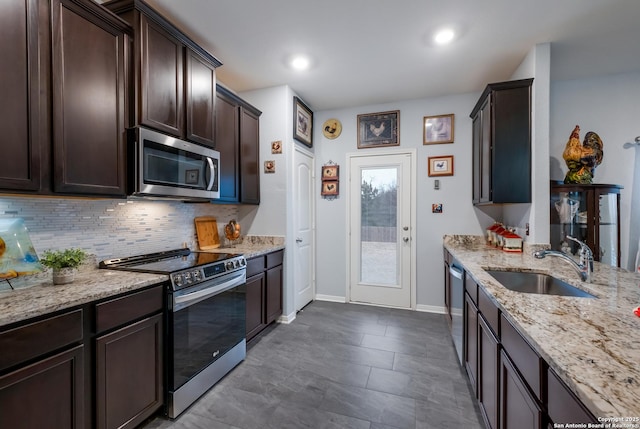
point(609, 106)
point(537, 64)
point(458, 217)
point(274, 216)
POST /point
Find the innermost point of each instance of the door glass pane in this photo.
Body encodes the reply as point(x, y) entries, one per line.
point(379, 251)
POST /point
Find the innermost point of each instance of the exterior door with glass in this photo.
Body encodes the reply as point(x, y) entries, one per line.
point(381, 245)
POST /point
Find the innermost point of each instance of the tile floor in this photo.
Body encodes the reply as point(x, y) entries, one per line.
point(342, 366)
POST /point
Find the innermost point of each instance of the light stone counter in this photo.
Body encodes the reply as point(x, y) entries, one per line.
point(38, 295)
point(592, 344)
point(253, 245)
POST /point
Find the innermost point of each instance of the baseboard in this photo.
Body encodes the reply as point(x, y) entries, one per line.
point(331, 298)
point(431, 309)
point(286, 319)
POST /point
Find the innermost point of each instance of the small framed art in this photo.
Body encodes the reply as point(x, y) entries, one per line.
point(440, 165)
point(330, 172)
point(329, 188)
point(438, 129)
point(302, 122)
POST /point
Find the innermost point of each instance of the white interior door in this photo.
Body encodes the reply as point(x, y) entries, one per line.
point(381, 230)
point(304, 226)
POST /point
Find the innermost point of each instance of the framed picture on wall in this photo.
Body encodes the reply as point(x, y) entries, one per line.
point(302, 122)
point(438, 129)
point(379, 129)
point(440, 165)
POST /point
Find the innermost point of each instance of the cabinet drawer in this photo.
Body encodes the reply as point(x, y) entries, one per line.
point(563, 405)
point(472, 288)
point(127, 308)
point(275, 258)
point(35, 339)
point(255, 265)
point(489, 311)
point(527, 361)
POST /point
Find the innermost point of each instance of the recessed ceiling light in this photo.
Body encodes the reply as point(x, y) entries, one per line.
point(300, 62)
point(444, 36)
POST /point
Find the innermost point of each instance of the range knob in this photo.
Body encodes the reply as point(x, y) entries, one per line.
point(187, 278)
point(196, 275)
point(177, 280)
point(243, 262)
point(229, 265)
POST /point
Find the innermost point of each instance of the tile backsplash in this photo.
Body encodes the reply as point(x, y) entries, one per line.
point(111, 228)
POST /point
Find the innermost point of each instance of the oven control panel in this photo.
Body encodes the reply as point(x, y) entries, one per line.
point(197, 275)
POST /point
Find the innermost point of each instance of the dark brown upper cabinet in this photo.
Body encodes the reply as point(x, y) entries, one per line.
point(89, 99)
point(502, 143)
point(63, 116)
point(174, 78)
point(238, 141)
point(23, 86)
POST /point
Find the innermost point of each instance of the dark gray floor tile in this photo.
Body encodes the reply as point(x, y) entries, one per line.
point(396, 345)
point(438, 369)
point(337, 371)
point(420, 387)
point(365, 404)
point(361, 355)
point(296, 416)
point(430, 415)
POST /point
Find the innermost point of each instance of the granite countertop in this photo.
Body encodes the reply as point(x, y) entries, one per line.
point(592, 344)
point(39, 296)
point(252, 245)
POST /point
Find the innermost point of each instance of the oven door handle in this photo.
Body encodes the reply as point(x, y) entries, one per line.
point(188, 299)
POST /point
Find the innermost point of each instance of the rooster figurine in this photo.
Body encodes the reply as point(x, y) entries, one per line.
point(582, 158)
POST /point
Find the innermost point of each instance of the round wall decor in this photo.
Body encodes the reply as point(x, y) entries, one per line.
point(331, 128)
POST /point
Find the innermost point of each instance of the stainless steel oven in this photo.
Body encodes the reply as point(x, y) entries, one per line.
point(205, 318)
point(206, 337)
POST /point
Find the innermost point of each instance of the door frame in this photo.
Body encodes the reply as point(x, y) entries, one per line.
point(412, 213)
point(312, 266)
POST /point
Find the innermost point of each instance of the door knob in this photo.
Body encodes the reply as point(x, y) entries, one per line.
point(405, 228)
point(405, 239)
point(298, 240)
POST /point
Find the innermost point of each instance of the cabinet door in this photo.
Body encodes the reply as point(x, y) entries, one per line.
point(274, 293)
point(129, 380)
point(477, 153)
point(23, 87)
point(228, 144)
point(249, 157)
point(161, 80)
point(486, 150)
point(488, 374)
point(200, 99)
point(518, 409)
point(471, 340)
point(88, 70)
point(46, 394)
point(255, 304)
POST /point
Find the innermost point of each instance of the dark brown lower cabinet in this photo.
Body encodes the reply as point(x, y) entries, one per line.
point(562, 405)
point(264, 291)
point(518, 407)
point(488, 374)
point(255, 307)
point(129, 382)
point(471, 341)
point(46, 394)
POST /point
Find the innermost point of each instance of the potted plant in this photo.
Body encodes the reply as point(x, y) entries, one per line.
point(64, 263)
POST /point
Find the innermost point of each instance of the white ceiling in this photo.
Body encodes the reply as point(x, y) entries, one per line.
point(368, 52)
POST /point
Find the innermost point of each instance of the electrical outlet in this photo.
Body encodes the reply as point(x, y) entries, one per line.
point(526, 231)
point(436, 184)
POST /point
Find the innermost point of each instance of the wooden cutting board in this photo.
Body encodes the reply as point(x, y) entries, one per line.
point(207, 232)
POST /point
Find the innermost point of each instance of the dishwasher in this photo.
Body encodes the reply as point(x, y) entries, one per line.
point(456, 275)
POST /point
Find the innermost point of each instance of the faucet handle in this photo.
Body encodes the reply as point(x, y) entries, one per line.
point(584, 247)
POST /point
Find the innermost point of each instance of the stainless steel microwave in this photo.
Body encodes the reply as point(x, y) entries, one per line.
point(164, 166)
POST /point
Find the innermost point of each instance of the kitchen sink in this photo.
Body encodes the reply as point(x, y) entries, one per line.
point(539, 283)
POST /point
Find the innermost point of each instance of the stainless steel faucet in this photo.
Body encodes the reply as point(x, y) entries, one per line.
point(584, 268)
